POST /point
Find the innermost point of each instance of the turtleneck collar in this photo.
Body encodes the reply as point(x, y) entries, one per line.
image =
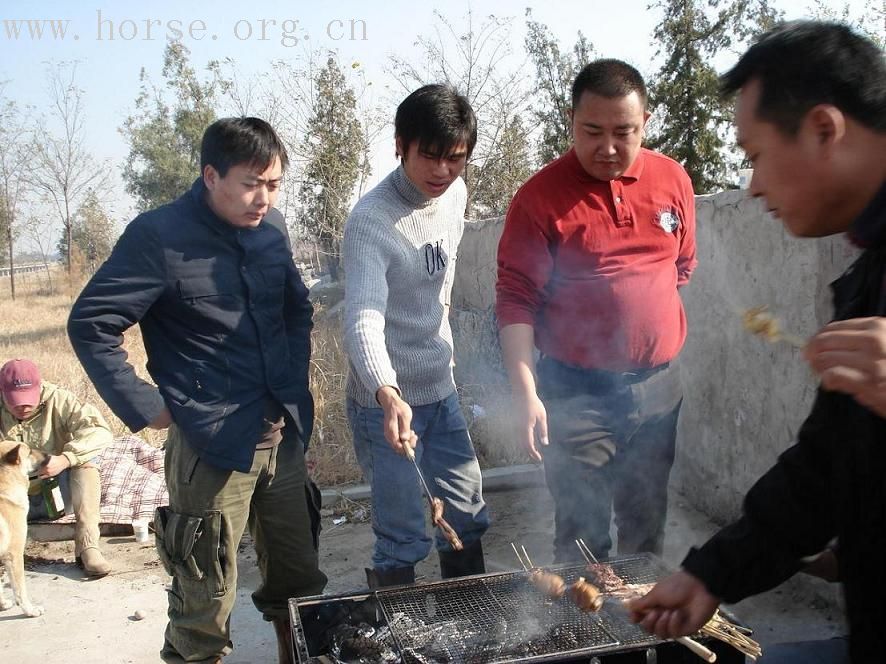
point(407, 189)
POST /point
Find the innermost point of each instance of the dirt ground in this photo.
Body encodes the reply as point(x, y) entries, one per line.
point(93, 621)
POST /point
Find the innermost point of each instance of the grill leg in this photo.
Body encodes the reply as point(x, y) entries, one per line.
point(284, 640)
point(396, 576)
point(462, 563)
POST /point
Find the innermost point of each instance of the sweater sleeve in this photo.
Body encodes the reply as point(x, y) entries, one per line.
point(367, 255)
point(788, 514)
point(524, 265)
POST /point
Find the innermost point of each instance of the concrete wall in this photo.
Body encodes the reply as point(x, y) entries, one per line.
point(745, 398)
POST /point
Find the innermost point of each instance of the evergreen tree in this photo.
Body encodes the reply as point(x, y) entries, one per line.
point(93, 234)
point(691, 121)
point(333, 145)
point(164, 137)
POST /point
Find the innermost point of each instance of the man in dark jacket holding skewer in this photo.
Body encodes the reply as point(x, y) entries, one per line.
point(811, 116)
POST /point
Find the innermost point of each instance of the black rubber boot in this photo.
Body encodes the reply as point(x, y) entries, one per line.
point(396, 576)
point(462, 563)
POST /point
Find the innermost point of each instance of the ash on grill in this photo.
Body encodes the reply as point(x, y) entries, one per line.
point(361, 644)
point(443, 642)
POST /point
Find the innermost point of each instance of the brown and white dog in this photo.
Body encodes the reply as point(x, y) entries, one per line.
point(16, 464)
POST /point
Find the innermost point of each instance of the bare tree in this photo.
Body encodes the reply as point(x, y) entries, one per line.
point(473, 59)
point(65, 169)
point(13, 175)
point(40, 230)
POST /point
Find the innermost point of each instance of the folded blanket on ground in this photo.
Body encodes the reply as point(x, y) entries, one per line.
point(133, 481)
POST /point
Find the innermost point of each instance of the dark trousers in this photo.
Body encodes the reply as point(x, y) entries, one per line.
point(612, 443)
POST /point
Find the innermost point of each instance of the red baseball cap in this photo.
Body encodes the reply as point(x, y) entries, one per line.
point(20, 383)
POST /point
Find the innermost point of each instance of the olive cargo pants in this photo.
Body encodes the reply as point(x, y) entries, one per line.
point(198, 536)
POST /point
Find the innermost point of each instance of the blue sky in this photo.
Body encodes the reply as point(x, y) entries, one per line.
point(254, 34)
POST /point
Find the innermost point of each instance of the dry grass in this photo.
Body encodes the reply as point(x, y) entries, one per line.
point(331, 454)
point(34, 327)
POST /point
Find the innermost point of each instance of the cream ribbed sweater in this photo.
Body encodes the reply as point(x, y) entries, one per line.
point(399, 255)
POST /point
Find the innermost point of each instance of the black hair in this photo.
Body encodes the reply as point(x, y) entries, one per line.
point(609, 78)
point(801, 64)
point(232, 141)
point(438, 118)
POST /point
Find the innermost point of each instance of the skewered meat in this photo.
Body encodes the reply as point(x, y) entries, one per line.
point(585, 596)
point(605, 577)
point(550, 585)
point(449, 533)
point(758, 320)
point(436, 511)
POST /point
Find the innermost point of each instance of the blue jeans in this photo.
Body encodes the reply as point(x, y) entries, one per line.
point(612, 444)
point(446, 457)
point(829, 651)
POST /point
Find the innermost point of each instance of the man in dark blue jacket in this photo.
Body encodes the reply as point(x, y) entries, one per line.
point(226, 324)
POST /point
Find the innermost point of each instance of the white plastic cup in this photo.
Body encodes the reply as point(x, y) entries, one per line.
point(744, 177)
point(140, 528)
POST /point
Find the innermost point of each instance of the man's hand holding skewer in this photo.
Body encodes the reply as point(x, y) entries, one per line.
point(850, 357)
point(679, 605)
point(397, 420)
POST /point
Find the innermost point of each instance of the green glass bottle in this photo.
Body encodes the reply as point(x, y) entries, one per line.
point(52, 498)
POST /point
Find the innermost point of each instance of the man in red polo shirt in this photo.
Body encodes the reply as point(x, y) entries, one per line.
point(594, 248)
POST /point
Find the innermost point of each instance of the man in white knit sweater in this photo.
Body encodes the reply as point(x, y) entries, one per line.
point(399, 252)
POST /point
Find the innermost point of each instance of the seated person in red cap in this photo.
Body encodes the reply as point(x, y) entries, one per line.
point(52, 420)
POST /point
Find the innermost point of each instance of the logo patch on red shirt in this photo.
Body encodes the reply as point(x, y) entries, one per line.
point(668, 220)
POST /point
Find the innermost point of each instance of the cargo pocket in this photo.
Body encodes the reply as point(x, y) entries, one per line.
point(211, 553)
point(191, 548)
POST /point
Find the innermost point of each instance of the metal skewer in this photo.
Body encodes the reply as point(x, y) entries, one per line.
point(586, 552)
point(410, 453)
point(528, 559)
point(517, 553)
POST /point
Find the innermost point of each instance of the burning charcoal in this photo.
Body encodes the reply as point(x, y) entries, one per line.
point(360, 648)
point(365, 629)
point(426, 656)
point(483, 652)
point(562, 638)
point(499, 630)
point(340, 634)
point(411, 656)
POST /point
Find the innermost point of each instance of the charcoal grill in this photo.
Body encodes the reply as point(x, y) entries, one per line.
point(494, 618)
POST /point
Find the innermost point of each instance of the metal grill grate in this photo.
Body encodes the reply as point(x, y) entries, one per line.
point(500, 618)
